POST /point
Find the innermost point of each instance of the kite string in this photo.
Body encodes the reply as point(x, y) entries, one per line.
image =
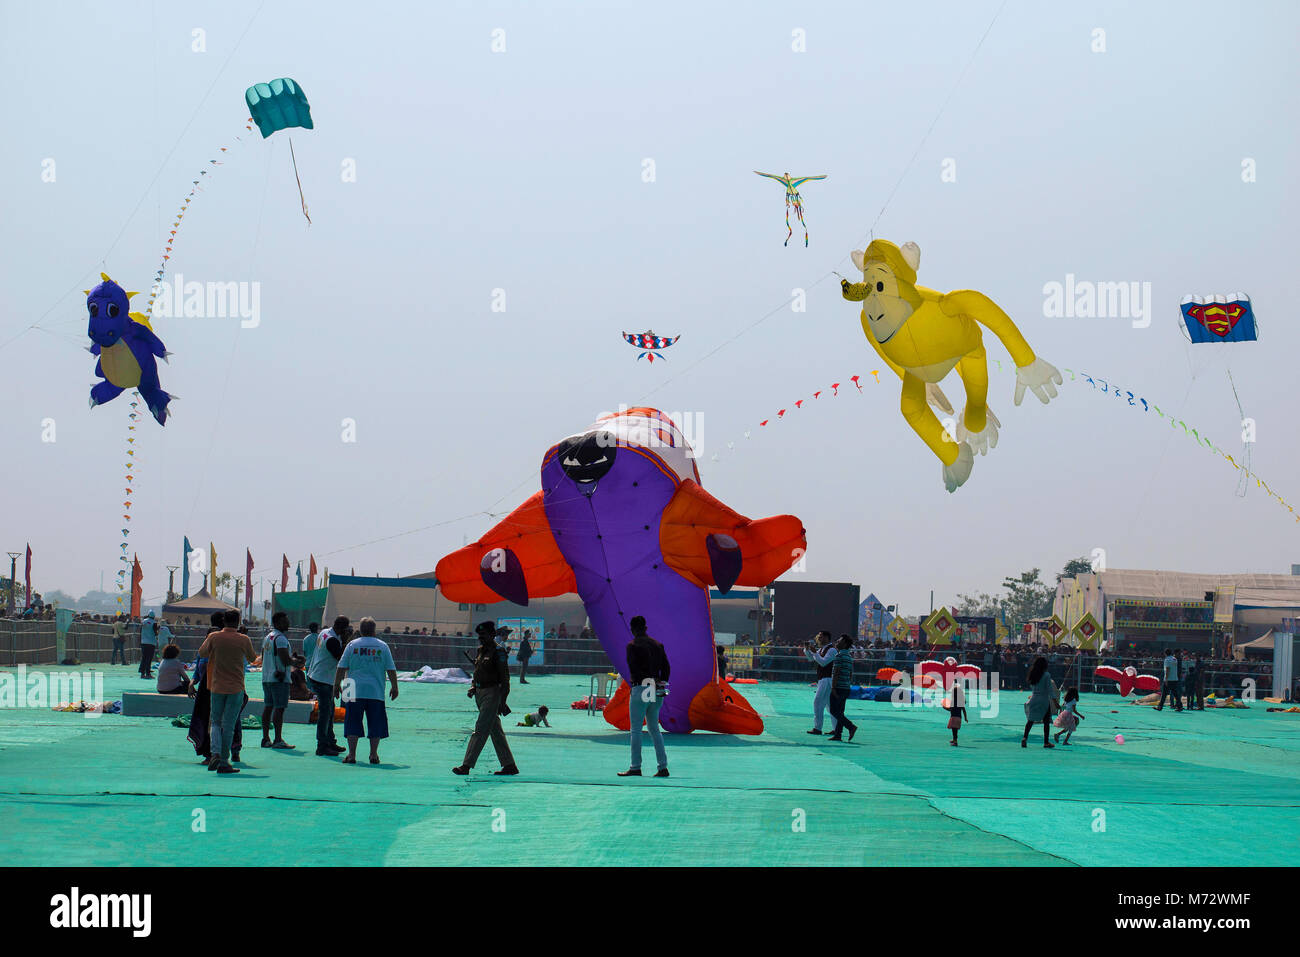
point(935, 122)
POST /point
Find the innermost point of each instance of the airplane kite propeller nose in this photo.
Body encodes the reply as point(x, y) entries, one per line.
point(501, 571)
point(725, 559)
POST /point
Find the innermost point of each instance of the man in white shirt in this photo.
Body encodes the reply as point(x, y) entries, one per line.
point(365, 662)
point(275, 681)
point(321, 668)
point(1169, 688)
point(821, 656)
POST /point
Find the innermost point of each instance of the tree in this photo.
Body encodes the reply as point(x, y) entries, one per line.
point(1027, 598)
point(982, 605)
point(60, 598)
point(1074, 567)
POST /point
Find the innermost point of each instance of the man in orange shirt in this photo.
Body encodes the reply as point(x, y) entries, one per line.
point(226, 651)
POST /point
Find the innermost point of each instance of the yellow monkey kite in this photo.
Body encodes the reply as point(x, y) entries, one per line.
point(923, 335)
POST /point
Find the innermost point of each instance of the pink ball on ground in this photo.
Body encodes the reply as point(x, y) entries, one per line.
point(1119, 739)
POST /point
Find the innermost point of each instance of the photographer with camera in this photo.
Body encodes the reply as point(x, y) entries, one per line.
point(275, 681)
point(821, 654)
point(489, 689)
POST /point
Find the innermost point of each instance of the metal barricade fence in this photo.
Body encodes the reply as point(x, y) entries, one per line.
point(35, 643)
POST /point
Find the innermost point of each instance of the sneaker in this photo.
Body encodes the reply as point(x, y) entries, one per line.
point(227, 769)
point(814, 731)
point(953, 743)
point(630, 773)
point(834, 737)
point(213, 764)
point(326, 753)
point(1048, 744)
point(460, 770)
point(281, 745)
point(661, 773)
point(852, 732)
point(234, 756)
point(508, 769)
point(266, 742)
point(1024, 742)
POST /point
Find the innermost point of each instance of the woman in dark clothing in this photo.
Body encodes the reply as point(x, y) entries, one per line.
point(841, 685)
point(1042, 701)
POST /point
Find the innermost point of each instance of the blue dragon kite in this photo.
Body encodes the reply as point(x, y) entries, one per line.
point(127, 349)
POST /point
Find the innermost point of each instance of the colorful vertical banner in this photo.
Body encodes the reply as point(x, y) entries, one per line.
point(311, 574)
point(284, 573)
point(248, 580)
point(29, 576)
point(185, 569)
point(212, 569)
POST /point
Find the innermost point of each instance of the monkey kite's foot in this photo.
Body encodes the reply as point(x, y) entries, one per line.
point(955, 475)
point(983, 440)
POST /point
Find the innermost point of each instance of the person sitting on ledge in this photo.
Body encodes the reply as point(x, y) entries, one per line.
point(171, 672)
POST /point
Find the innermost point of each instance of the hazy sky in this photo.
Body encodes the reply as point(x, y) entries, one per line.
point(524, 171)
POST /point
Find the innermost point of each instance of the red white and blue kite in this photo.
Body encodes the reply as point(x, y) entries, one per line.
point(650, 343)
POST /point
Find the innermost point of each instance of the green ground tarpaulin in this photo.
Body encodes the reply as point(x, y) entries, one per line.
point(1196, 788)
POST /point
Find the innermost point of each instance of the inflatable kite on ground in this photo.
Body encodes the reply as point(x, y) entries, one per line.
point(923, 335)
point(622, 520)
point(650, 343)
point(792, 198)
point(948, 671)
point(1128, 679)
point(1219, 318)
point(127, 348)
point(281, 105)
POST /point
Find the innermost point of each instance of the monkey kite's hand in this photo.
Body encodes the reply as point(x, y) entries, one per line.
point(955, 475)
point(934, 395)
point(982, 441)
point(1038, 377)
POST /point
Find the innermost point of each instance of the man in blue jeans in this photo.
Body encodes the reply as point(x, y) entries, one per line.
point(648, 671)
point(226, 652)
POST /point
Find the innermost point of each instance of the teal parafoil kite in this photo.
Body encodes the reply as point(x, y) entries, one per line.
point(278, 105)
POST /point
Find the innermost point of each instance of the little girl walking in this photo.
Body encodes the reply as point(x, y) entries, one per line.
point(956, 708)
point(1069, 717)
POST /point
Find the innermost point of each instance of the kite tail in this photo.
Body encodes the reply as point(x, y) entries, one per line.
point(788, 231)
point(798, 209)
point(301, 198)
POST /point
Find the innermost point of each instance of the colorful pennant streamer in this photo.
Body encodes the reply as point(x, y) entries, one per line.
point(1105, 387)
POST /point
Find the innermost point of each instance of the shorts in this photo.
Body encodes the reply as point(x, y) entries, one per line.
point(376, 718)
point(275, 694)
